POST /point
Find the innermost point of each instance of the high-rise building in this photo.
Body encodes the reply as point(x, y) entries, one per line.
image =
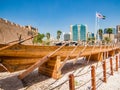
point(78, 32)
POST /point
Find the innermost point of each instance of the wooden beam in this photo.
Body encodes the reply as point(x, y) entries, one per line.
point(51, 67)
point(3, 68)
point(16, 42)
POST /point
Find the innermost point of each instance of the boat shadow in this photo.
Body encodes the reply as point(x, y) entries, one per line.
point(9, 81)
point(36, 77)
point(71, 66)
point(13, 83)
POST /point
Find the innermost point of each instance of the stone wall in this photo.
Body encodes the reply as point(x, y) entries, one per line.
point(10, 32)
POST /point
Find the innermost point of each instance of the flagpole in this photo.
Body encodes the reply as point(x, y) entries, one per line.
point(95, 27)
point(98, 16)
point(98, 28)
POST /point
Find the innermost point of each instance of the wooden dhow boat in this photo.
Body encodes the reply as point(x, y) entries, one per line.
point(49, 59)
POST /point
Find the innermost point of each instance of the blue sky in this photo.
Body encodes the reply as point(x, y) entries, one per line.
point(53, 15)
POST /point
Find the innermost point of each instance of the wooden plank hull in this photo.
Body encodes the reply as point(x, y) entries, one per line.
point(16, 64)
point(40, 51)
point(19, 57)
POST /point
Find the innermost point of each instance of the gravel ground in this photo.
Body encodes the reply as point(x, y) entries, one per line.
point(35, 81)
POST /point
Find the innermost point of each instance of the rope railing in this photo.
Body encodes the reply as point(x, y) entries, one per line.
point(68, 56)
point(81, 72)
point(99, 74)
point(99, 81)
point(58, 85)
point(83, 84)
point(99, 54)
point(98, 77)
point(91, 53)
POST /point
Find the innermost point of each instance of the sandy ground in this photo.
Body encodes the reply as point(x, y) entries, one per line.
point(35, 81)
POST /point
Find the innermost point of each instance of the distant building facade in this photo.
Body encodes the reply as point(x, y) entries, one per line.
point(66, 36)
point(112, 35)
point(78, 32)
point(118, 33)
point(90, 35)
point(114, 31)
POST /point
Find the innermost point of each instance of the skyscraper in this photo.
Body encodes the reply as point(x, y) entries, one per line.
point(78, 32)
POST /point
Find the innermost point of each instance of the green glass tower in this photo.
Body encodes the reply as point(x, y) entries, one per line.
point(78, 32)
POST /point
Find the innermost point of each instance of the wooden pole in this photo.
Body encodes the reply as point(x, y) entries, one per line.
point(71, 82)
point(119, 60)
point(111, 67)
point(116, 63)
point(68, 56)
point(107, 54)
point(93, 81)
point(16, 42)
point(104, 71)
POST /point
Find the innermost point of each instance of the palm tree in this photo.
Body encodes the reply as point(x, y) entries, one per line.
point(38, 38)
point(100, 32)
point(107, 39)
point(92, 40)
point(58, 34)
point(48, 39)
point(48, 35)
point(109, 31)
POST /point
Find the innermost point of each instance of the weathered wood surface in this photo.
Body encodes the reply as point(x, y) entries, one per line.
point(16, 64)
point(19, 57)
point(40, 51)
point(40, 62)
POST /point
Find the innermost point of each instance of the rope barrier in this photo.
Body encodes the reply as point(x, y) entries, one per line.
point(99, 55)
point(98, 84)
point(99, 74)
point(91, 53)
point(83, 84)
point(68, 56)
point(58, 85)
point(83, 74)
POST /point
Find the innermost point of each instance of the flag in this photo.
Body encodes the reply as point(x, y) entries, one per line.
point(98, 15)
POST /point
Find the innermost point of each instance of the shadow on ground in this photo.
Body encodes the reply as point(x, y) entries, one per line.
point(13, 83)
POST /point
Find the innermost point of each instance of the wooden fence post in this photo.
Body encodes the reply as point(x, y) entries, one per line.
point(93, 81)
point(119, 60)
point(71, 82)
point(116, 63)
point(111, 67)
point(107, 55)
point(104, 71)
